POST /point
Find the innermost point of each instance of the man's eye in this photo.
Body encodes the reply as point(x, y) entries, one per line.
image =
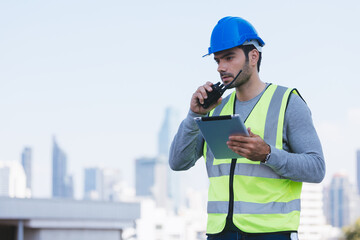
point(229, 58)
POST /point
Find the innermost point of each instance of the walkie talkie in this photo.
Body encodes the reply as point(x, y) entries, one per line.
point(217, 91)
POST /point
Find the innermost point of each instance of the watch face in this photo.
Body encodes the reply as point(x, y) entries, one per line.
point(267, 157)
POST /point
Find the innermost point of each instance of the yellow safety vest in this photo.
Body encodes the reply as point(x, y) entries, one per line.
point(261, 201)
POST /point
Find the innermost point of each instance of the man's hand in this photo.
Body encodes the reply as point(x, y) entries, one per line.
point(252, 147)
point(198, 98)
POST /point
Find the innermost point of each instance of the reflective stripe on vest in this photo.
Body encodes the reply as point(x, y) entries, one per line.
point(263, 200)
point(255, 208)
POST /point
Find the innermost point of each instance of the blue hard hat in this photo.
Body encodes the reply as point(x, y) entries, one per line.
point(230, 32)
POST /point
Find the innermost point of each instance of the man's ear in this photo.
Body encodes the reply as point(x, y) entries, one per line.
point(254, 57)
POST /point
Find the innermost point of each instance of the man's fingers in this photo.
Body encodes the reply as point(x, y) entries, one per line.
point(201, 93)
point(240, 150)
point(208, 87)
point(200, 97)
point(251, 134)
point(238, 138)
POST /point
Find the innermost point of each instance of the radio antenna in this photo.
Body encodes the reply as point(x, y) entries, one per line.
point(228, 85)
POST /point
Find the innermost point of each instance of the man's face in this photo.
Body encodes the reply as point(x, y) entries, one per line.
point(230, 62)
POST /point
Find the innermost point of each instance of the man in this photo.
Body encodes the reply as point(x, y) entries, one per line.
point(256, 196)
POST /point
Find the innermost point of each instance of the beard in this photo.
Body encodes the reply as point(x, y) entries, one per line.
point(243, 77)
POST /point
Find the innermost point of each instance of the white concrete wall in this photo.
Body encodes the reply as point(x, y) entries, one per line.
point(13, 179)
point(71, 234)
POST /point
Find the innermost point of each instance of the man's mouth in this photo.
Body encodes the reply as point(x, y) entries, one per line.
point(227, 78)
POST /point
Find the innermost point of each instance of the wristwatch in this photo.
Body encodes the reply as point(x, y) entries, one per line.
point(267, 156)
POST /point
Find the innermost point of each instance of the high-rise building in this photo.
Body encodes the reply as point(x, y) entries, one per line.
point(62, 185)
point(93, 184)
point(151, 179)
point(112, 184)
point(339, 200)
point(167, 132)
point(145, 176)
point(12, 180)
point(106, 184)
point(165, 137)
point(312, 219)
point(26, 156)
point(154, 179)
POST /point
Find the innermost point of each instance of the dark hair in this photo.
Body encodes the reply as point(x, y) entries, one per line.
point(247, 49)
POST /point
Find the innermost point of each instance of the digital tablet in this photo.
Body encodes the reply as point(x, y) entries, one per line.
point(216, 131)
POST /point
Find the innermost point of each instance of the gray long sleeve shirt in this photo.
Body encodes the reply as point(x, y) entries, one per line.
point(301, 158)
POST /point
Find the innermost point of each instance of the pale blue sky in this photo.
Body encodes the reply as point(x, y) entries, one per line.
point(99, 74)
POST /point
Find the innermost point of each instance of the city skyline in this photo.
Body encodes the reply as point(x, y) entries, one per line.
point(84, 72)
point(26, 155)
point(80, 194)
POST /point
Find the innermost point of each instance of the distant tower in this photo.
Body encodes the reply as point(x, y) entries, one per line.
point(165, 137)
point(167, 132)
point(152, 179)
point(93, 184)
point(62, 183)
point(26, 159)
point(339, 200)
point(145, 176)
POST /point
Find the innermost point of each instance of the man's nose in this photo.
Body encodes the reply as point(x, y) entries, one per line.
point(222, 67)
